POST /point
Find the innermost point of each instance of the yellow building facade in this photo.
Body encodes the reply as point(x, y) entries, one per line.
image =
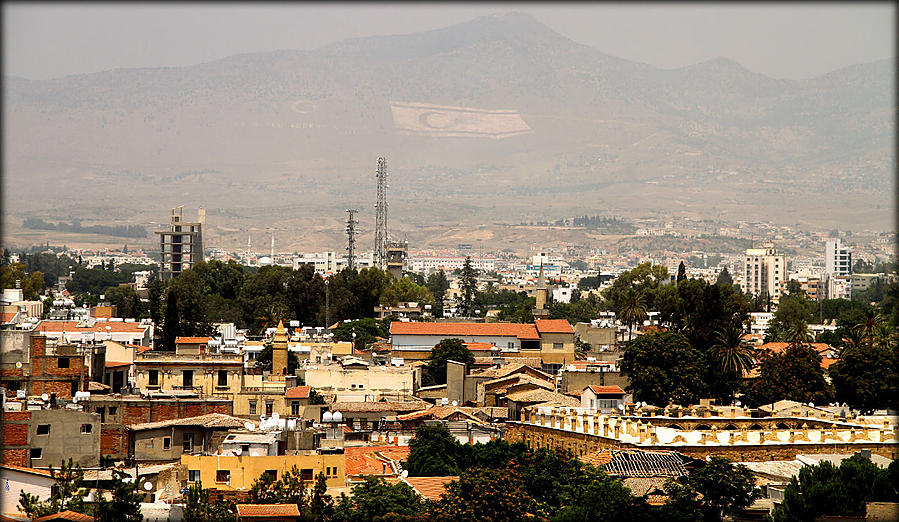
point(232, 473)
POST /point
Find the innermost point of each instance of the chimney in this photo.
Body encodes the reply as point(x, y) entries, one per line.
point(279, 354)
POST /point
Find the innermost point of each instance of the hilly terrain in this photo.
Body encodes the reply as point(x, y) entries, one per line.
point(505, 121)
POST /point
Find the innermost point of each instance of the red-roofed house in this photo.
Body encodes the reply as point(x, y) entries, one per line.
point(19, 478)
point(297, 398)
point(431, 488)
point(602, 398)
point(554, 344)
point(191, 345)
point(77, 331)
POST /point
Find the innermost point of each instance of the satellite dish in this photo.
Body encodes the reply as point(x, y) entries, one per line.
point(18, 364)
point(148, 486)
point(405, 473)
point(45, 397)
point(455, 403)
point(238, 451)
point(338, 416)
point(276, 416)
point(811, 405)
point(249, 426)
point(328, 417)
point(128, 480)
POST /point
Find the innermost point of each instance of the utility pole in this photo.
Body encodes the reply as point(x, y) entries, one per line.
point(327, 306)
point(351, 237)
point(380, 252)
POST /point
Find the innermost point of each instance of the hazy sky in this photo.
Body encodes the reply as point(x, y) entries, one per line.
point(781, 40)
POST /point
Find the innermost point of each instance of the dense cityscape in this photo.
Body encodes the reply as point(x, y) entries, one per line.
point(550, 364)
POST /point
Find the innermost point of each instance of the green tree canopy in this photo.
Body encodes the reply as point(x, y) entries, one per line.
point(432, 452)
point(404, 290)
point(866, 377)
point(375, 498)
point(68, 493)
point(484, 494)
point(445, 350)
point(663, 367)
point(793, 374)
point(125, 502)
point(367, 331)
point(825, 489)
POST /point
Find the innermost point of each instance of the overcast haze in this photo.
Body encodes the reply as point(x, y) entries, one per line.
point(44, 41)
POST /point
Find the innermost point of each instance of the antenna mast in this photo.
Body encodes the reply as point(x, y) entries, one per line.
point(351, 237)
point(380, 253)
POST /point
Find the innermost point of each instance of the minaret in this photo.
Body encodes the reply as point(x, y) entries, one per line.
point(540, 311)
point(279, 354)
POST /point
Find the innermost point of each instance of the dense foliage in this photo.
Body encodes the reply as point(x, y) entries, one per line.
point(843, 491)
point(446, 350)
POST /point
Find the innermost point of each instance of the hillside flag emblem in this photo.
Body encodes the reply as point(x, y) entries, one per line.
point(441, 120)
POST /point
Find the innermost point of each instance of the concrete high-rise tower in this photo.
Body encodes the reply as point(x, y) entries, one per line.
point(181, 246)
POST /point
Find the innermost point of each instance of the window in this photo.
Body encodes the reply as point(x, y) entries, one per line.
point(153, 378)
point(269, 407)
point(352, 386)
point(607, 404)
point(558, 346)
point(35, 453)
point(306, 474)
point(166, 443)
point(295, 408)
point(223, 475)
point(102, 412)
point(187, 378)
point(187, 443)
point(244, 449)
point(223, 378)
point(273, 473)
point(87, 428)
point(113, 410)
point(252, 407)
point(62, 362)
point(43, 429)
point(193, 475)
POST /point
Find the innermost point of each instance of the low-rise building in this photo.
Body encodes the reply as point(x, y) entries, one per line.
point(168, 440)
point(356, 380)
point(605, 399)
point(232, 472)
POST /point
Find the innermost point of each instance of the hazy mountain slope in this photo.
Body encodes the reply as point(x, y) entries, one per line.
point(306, 126)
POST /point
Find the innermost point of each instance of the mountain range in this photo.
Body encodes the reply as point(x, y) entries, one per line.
point(509, 121)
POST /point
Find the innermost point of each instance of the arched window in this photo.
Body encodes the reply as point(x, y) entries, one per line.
point(701, 427)
point(730, 427)
point(676, 427)
point(756, 427)
point(782, 426)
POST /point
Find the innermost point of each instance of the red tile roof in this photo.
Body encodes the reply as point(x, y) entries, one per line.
point(606, 389)
point(117, 364)
point(192, 340)
point(480, 346)
point(67, 515)
point(553, 326)
point(300, 392)
point(827, 361)
point(142, 349)
point(521, 331)
point(7, 317)
point(780, 347)
point(267, 510)
point(99, 327)
point(430, 488)
point(371, 460)
point(23, 469)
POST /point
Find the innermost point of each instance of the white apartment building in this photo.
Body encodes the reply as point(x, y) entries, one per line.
point(763, 271)
point(837, 258)
point(327, 263)
point(432, 263)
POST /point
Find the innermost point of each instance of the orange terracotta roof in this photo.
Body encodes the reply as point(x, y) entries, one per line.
point(67, 515)
point(192, 340)
point(23, 469)
point(117, 364)
point(430, 488)
point(606, 389)
point(480, 346)
point(780, 347)
point(373, 460)
point(553, 326)
point(521, 331)
point(827, 361)
point(300, 392)
point(99, 327)
point(267, 510)
point(142, 349)
point(7, 317)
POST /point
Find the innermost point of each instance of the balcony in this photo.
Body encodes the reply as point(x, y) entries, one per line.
point(189, 358)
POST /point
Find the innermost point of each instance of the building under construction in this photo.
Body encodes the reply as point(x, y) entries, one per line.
point(181, 247)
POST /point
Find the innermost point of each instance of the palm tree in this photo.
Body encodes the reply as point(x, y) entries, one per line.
point(798, 334)
point(632, 310)
point(884, 337)
point(868, 325)
point(734, 354)
point(853, 338)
